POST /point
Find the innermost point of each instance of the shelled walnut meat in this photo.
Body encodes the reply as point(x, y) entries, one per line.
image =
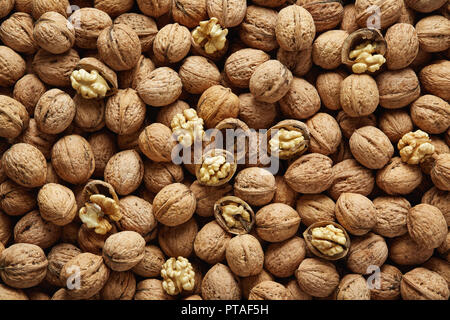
point(224, 150)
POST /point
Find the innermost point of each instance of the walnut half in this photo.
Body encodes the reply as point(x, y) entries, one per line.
point(415, 147)
point(234, 215)
point(187, 127)
point(178, 275)
point(217, 168)
point(210, 35)
point(91, 85)
point(94, 212)
point(288, 138)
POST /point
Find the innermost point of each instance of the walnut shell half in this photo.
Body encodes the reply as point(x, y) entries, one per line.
point(241, 228)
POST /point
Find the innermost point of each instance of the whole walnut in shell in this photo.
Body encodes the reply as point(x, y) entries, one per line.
point(137, 215)
point(313, 208)
point(395, 124)
point(31, 228)
point(405, 252)
point(55, 69)
point(179, 240)
point(423, 284)
point(217, 103)
point(53, 33)
point(299, 62)
point(114, 7)
point(219, 283)
point(356, 213)
point(28, 90)
point(123, 250)
point(295, 29)
point(268, 227)
point(16, 200)
point(350, 124)
point(156, 142)
point(157, 175)
point(151, 289)
point(352, 287)
point(12, 66)
point(151, 264)
point(124, 171)
point(58, 256)
point(327, 49)
point(389, 12)
point(434, 79)
point(23, 265)
point(389, 289)
point(230, 13)
point(120, 286)
point(440, 199)
point(198, 74)
point(440, 172)
point(93, 275)
point(359, 95)
point(189, 13)
point(174, 205)
point(391, 216)
point(402, 46)
point(72, 159)
point(39, 7)
point(317, 277)
point(172, 43)
point(244, 255)
point(269, 290)
point(328, 85)
point(432, 32)
point(211, 242)
point(14, 117)
point(207, 196)
point(426, 226)
point(144, 26)
point(431, 114)
point(8, 293)
point(256, 114)
point(160, 87)
point(103, 147)
point(398, 178)
point(17, 33)
point(57, 204)
point(25, 165)
point(365, 252)
point(89, 23)
point(255, 186)
point(325, 134)
point(301, 101)
point(283, 258)
point(240, 65)
point(397, 88)
point(425, 5)
point(6, 8)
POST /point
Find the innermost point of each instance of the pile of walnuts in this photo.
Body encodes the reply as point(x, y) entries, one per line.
point(95, 95)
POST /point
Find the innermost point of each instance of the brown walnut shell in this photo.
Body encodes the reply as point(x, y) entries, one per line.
point(90, 63)
point(292, 125)
point(215, 153)
point(14, 117)
point(123, 250)
point(247, 226)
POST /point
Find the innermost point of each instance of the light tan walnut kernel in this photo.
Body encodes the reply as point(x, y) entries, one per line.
point(210, 35)
point(329, 240)
point(178, 275)
point(365, 59)
point(217, 168)
point(93, 213)
point(415, 147)
point(90, 85)
point(187, 127)
point(284, 141)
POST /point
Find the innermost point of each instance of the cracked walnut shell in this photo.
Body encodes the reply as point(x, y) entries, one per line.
point(234, 215)
point(288, 139)
point(327, 240)
point(217, 167)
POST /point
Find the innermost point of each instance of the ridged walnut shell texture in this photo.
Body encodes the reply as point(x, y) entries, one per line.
point(53, 33)
point(92, 271)
point(433, 33)
point(17, 33)
point(16, 200)
point(217, 103)
point(391, 216)
point(425, 5)
point(317, 277)
point(427, 226)
point(268, 226)
point(114, 7)
point(371, 147)
point(295, 29)
point(157, 175)
point(123, 250)
point(154, 8)
point(269, 290)
point(359, 95)
point(440, 172)
point(390, 278)
point(229, 13)
point(14, 117)
point(431, 114)
point(310, 174)
point(434, 79)
point(72, 159)
point(398, 178)
point(189, 12)
point(28, 90)
point(352, 287)
point(405, 252)
point(6, 8)
point(124, 171)
point(423, 284)
point(390, 11)
point(23, 265)
point(315, 208)
point(211, 242)
point(12, 66)
point(356, 213)
point(151, 265)
point(174, 205)
point(119, 47)
point(39, 7)
point(31, 228)
point(207, 196)
point(156, 142)
point(256, 186)
point(325, 134)
point(137, 215)
point(219, 283)
point(301, 101)
point(402, 46)
point(245, 256)
point(398, 88)
point(240, 65)
point(179, 240)
point(327, 49)
point(160, 87)
point(326, 14)
point(198, 74)
point(144, 26)
point(151, 289)
point(55, 69)
point(57, 204)
point(283, 258)
point(88, 23)
point(58, 256)
point(25, 165)
point(8, 293)
point(54, 112)
point(172, 43)
point(365, 252)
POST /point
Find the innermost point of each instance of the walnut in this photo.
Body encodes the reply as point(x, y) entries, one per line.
point(93, 275)
point(207, 196)
point(31, 228)
point(160, 87)
point(151, 264)
point(269, 290)
point(317, 277)
point(57, 204)
point(55, 70)
point(327, 48)
point(179, 240)
point(405, 252)
point(217, 103)
point(432, 32)
point(174, 205)
point(154, 8)
point(424, 5)
point(431, 114)
point(198, 74)
point(178, 275)
point(296, 292)
point(14, 117)
point(17, 33)
point(423, 284)
point(145, 27)
point(371, 147)
point(119, 47)
point(390, 278)
point(288, 138)
point(125, 171)
point(157, 175)
point(114, 7)
point(438, 198)
point(327, 240)
point(6, 228)
point(120, 286)
point(440, 147)
point(350, 124)
point(151, 289)
point(367, 251)
point(103, 147)
point(283, 258)
point(53, 33)
point(54, 112)
point(39, 7)
point(211, 242)
point(270, 81)
point(88, 23)
point(258, 28)
point(234, 215)
point(390, 11)
point(189, 13)
point(395, 124)
point(90, 117)
point(327, 14)
point(8, 293)
point(314, 208)
point(301, 100)
point(12, 66)
point(58, 256)
point(310, 174)
point(356, 213)
point(90, 241)
point(267, 220)
point(398, 177)
point(255, 186)
point(219, 283)
point(25, 165)
point(167, 113)
point(439, 266)
point(245, 256)
point(348, 22)
point(391, 216)
point(328, 86)
point(325, 134)
point(403, 46)
point(256, 114)
point(28, 90)
point(93, 213)
point(172, 43)
point(415, 147)
point(7, 6)
point(240, 65)
point(229, 14)
point(23, 265)
point(434, 79)
point(217, 167)
point(137, 215)
point(187, 127)
point(70, 163)
point(352, 287)
point(90, 85)
point(295, 29)
point(16, 200)
point(444, 249)
point(299, 62)
point(248, 283)
point(123, 250)
point(210, 35)
point(397, 88)
point(156, 142)
point(359, 95)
